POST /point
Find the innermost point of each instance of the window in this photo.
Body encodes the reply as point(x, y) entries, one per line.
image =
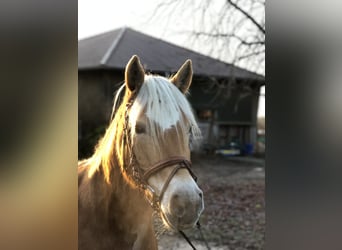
point(204, 114)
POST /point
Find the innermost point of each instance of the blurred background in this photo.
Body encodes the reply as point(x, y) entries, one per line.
point(38, 128)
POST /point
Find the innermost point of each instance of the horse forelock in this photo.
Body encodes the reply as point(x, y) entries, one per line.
point(164, 106)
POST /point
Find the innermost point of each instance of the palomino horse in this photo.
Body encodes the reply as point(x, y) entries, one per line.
point(141, 164)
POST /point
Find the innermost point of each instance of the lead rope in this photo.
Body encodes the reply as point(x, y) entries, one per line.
point(187, 239)
point(202, 236)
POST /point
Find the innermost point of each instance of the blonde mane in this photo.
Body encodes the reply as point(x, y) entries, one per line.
point(163, 104)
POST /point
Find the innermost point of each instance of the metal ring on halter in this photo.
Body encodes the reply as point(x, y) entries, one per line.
point(152, 197)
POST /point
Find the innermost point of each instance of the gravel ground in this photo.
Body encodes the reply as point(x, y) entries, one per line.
point(234, 196)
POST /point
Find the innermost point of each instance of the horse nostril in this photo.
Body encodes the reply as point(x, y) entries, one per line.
point(200, 195)
point(177, 206)
point(180, 211)
point(175, 198)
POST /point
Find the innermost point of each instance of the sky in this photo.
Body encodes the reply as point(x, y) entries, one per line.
point(95, 17)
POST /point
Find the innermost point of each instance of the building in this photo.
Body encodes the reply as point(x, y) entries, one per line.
point(224, 97)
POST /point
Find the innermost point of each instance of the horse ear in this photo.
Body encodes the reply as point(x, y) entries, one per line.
point(134, 74)
point(183, 77)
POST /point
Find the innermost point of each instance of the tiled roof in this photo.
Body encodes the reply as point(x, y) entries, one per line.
point(113, 50)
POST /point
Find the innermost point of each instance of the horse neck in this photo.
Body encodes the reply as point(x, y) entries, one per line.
point(124, 203)
point(122, 200)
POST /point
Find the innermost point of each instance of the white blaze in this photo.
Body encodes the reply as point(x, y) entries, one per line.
point(162, 103)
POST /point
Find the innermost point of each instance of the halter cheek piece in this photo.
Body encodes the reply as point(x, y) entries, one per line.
point(141, 177)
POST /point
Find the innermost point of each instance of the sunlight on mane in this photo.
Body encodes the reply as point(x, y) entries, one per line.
point(164, 105)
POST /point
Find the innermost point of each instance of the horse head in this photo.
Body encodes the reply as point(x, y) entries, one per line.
point(159, 128)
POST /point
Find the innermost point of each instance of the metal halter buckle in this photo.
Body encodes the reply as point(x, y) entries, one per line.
point(151, 197)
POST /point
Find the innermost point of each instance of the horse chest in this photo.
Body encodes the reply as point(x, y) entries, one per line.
point(110, 226)
point(100, 235)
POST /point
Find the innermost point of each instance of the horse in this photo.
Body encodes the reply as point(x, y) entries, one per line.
point(141, 165)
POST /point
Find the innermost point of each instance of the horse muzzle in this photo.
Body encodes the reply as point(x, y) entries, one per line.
point(180, 200)
point(182, 208)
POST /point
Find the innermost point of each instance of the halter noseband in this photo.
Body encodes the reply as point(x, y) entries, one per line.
point(180, 162)
point(141, 177)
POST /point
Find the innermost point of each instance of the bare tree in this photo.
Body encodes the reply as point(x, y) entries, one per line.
point(230, 30)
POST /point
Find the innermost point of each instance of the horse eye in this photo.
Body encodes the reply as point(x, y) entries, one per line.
point(139, 129)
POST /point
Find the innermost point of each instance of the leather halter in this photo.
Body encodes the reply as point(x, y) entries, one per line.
point(180, 162)
point(141, 177)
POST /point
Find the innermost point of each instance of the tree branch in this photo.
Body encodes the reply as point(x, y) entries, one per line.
point(218, 35)
point(247, 15)
point(254, 53)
